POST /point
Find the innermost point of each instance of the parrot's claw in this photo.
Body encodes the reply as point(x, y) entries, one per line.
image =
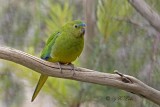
point(72, 68)
point(59, 64)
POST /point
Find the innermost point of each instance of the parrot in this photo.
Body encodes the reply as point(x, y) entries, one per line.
point(62, 47)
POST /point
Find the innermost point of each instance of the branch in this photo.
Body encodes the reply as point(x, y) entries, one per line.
point(147, 12)
point(124, 82)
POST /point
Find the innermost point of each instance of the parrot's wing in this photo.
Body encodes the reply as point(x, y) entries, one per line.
point(48, 48)
point(52, 36)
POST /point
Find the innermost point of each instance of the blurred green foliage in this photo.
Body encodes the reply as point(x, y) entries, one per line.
point(58, 16)
point(109, 11)
point(123, 40)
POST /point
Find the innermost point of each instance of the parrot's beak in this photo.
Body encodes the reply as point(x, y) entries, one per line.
point(83, 31)
point(83, 25)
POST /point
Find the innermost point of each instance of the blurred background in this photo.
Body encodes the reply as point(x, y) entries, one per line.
point(117, 38)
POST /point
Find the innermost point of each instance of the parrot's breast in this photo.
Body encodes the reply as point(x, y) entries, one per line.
point(66, 49)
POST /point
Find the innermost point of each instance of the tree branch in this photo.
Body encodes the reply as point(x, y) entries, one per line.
point(124, 82)
point(147, 12)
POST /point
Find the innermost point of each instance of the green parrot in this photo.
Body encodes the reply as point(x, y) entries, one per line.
point(63, 46)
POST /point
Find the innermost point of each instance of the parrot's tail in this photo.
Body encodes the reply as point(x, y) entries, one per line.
point(40, 84)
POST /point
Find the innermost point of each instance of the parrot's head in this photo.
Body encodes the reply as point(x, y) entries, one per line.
point(76, 27)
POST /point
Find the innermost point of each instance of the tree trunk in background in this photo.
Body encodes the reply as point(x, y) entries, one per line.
point(89, 11)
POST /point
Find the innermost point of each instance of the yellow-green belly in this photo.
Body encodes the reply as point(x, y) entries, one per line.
point(66, 50)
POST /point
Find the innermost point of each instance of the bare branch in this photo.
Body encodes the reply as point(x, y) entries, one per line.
point(147, 12)
point(121, 81)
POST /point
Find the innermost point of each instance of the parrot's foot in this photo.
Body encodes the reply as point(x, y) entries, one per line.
point(59, 64)
point(72, 68)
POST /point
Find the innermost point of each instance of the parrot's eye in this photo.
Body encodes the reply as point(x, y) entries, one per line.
point(75, 26)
